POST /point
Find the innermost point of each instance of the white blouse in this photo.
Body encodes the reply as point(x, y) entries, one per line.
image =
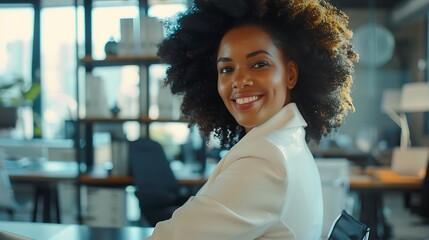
point(266, 187)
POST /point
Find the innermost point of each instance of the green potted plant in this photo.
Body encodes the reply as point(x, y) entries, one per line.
point(14, 95)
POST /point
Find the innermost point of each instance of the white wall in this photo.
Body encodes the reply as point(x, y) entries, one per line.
point(370, 82)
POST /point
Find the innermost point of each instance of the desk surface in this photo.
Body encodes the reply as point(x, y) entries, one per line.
point(26, 170)
point(44, 171)
point(382, 178)
point(105, 179)
point(54, 171)
point(49, 231)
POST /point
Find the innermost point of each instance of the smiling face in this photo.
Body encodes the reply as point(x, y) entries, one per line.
point(254, 77)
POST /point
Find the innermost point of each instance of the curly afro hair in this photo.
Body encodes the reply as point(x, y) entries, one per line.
point(313, 33)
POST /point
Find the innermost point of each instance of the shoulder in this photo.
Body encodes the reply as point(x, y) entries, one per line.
point(259, 148)
point(274, 147)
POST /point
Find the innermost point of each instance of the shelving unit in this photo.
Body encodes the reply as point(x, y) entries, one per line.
point(88, 123)
point(89, 63)
point(84, 127)
point(144, 61)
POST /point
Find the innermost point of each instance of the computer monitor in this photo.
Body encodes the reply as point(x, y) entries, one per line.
point(8, 117)
point(410, 161)
point(193, 154)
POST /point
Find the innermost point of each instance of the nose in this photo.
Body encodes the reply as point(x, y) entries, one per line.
point(241, 80)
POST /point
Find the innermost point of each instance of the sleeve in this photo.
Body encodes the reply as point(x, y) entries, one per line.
point(244, 200)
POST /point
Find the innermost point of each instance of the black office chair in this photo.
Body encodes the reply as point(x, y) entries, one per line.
point(424, 207)
point(417, 201)
point(346, 227)
point(158, 191)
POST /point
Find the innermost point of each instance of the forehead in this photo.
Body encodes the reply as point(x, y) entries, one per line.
point(246, 39)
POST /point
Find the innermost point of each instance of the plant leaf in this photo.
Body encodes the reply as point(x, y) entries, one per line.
point(32, 93)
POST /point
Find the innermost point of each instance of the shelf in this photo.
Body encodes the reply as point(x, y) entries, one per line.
point(110, 61)
point(141, 119)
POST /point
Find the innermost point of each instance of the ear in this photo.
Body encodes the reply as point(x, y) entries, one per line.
point(292, 74)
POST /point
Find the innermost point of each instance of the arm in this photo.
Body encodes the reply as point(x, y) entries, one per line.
point(242, 203)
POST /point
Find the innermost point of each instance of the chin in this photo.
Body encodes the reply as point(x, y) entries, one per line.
point(247, 124)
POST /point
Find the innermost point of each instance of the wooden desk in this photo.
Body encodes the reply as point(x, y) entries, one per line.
point(371, 178)
point(382, 178)
point(371, 184)
point(57, 171)
point(45, 176)
point(108, 180)
point(49, 231)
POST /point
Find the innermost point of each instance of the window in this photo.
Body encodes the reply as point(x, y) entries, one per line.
point(61, 26)
point(16, 43)
point(58, 68)
point(16, 31)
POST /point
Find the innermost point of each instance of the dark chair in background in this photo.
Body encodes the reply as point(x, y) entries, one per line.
point(424, 207)
point(158, 191)
point(346, 227)
point(9, 116)
point(418, 201)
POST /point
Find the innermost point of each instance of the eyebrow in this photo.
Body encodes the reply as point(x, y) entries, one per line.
point(252, 54)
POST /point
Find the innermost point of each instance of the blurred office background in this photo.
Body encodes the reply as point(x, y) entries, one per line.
point(50, 49)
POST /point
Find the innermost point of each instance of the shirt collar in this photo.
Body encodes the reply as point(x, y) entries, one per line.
point(288, 117)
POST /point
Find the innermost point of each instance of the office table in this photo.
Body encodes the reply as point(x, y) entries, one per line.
point(382, 178)
point(41, 171)
point(103, 179)
point(50, 231)
point(371, 184)
point(44, 175)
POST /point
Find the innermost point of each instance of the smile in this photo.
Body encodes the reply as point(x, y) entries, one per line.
point(247, 99)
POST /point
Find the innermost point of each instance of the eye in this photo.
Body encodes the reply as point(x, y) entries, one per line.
point(225, 70)
point(260, 64)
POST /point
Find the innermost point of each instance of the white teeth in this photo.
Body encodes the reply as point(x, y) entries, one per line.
point(246, 100)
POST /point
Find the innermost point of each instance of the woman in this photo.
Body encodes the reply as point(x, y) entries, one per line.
point(256, 73)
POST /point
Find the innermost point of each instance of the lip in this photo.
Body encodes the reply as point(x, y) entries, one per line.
point(245, 95)
point(245, 106)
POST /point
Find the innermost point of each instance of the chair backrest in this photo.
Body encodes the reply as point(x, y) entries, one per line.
point(424, 207)
point(150, 166)
point(346, 227)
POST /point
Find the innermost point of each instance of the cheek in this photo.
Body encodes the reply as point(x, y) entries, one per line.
point(279, 82)
point(279, 85)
